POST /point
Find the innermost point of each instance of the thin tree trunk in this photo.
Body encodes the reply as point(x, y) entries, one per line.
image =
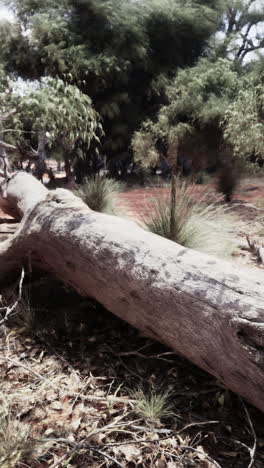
point(40, 164)
point(207, 310)
point(68, 170)
point(173, 160)
point(173, 207)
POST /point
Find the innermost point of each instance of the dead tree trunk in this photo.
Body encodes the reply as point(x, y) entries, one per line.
point(206, 309)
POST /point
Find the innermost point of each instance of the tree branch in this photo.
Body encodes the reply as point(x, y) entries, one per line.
point(251, 49)
point(7, 147)
point(244, 42)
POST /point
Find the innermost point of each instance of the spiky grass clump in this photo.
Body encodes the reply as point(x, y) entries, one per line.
point(15, 445)
point(198, 225)
point(100, 194)
point(154, 405)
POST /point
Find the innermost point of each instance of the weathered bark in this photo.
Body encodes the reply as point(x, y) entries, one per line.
point(208, 310)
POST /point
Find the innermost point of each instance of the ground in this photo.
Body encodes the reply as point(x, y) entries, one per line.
point(83, 397)
point(137, 200)
point(80, 388)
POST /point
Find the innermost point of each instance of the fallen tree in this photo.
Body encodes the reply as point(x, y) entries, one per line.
point(206, 309)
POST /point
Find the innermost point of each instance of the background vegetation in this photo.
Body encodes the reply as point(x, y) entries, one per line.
point(146, 72)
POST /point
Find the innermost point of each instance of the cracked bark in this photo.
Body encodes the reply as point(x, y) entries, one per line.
point(206, 309)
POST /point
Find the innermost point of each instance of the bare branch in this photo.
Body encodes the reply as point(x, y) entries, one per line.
point(11, 309)
point(244, 42)
point(7, 147)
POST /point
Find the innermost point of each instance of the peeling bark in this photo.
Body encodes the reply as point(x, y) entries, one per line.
point(206, 309)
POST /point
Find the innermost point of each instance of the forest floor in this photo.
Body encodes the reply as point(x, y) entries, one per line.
point(81, 388)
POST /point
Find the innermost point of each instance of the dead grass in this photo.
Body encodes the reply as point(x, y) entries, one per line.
point(15, 444)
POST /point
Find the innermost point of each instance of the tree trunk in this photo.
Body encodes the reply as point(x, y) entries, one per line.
point(207, 310)
point(40, 164)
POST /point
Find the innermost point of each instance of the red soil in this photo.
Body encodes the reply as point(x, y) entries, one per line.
point(139, 200)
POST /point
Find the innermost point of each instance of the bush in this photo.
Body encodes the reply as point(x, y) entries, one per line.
point(198, 225)
point(100, 194)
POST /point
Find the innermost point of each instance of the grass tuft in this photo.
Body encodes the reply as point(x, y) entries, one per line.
point(154, 405)
point(15, 445)
point(100, 194)
point(199, 225)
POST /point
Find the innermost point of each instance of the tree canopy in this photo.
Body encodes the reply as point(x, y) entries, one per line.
point(152, 70)
point(122, 54)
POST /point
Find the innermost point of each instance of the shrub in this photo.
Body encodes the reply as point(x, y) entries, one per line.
point(100, 194)
point(198, 225)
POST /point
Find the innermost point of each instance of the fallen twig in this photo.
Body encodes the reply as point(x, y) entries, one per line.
point(184, 447)
point(78, 447)
point(196, 424)
point(144, 356)
point(10, 309)
point(252, 451)
point(106, 456)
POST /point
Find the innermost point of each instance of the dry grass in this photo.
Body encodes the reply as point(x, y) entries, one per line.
point(15, 444)
point(200, 225)
point(100, 194)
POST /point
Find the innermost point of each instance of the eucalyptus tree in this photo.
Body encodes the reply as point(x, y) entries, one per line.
point(51, 113)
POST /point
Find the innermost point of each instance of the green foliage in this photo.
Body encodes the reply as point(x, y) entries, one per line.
point(120, 53)
point(197, 100)
point(62, 110)
point(198, 225)
point(145, 67)
point(201, 94)
point(54, 110)
point(143, 145)
point(100, 194)
point(244, 120)
point(3, 82)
